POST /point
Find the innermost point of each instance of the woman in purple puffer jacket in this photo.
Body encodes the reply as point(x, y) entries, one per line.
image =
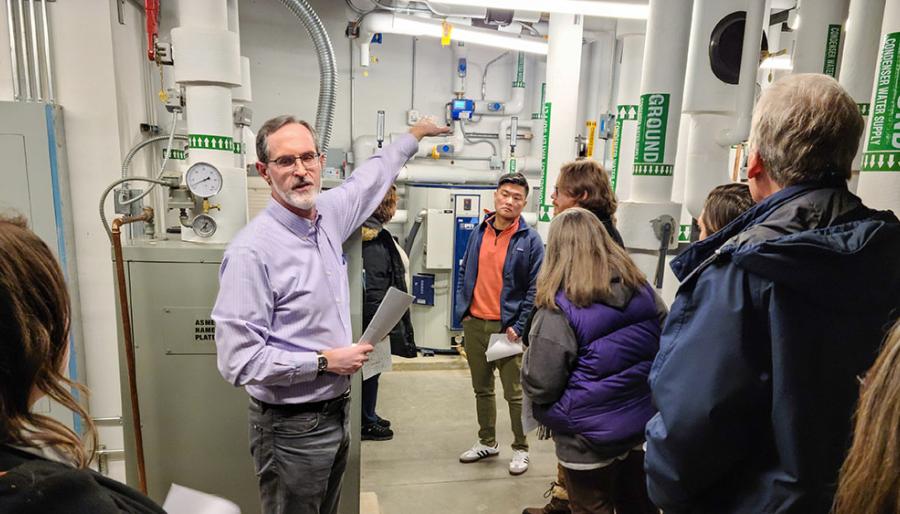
point(594, 336)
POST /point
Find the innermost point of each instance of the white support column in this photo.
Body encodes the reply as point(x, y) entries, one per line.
point(858, 64)
point(207, 64)
point(879, 178)
point(817, 46)
point(561, 107)
point(659, 116)
point(631, 36)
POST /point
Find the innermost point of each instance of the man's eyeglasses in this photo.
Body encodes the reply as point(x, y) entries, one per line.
point(309, 160)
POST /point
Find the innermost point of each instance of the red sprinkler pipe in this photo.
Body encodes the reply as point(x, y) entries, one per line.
point(151, 7)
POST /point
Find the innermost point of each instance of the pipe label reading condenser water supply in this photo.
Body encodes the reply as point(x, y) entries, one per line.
point(653, 121)
point(544, 214)
point(832, 50)
point(883, 137)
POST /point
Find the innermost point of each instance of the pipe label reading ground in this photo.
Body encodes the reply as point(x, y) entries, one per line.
point(832, 48)
point(544, 215)
point(207, 142)
point(883, 138)
point(623, 113)
point(650, 152)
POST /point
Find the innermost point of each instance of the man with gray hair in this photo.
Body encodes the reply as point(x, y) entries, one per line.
point(283, 312)
point(777, 316)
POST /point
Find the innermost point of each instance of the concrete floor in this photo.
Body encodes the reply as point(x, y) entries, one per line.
point(433, 417)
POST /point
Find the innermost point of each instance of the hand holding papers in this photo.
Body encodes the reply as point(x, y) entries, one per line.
point(499, 346)
point(184, 500)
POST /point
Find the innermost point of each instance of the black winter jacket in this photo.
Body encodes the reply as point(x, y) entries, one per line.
point(756, 377)
point(384, 268)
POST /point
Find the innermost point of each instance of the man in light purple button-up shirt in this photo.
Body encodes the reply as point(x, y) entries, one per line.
point(283, 313)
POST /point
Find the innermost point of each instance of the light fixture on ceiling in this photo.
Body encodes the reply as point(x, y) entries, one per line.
point(584, 7)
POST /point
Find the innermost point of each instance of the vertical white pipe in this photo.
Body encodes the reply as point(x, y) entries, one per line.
point(879, 178)
point(32, 22)
point(631, 35)
point(817, 45)
point(460, 68)
point(561, 107)
point(858, 63)
point(595, 63)
point(13, 51)
point(662, 87)
point(45, 20)
point(26, 69)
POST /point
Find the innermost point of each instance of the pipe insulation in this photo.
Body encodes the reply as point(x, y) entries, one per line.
point(631, 36)
point(561, 107)
point(858, 63)
point(327, 68)
point(818, 38)
point(879, 178)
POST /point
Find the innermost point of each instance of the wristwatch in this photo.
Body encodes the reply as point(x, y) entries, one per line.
point(323, 364)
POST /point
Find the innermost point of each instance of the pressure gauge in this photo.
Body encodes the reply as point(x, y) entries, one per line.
point(203, 179)
point(204, 225)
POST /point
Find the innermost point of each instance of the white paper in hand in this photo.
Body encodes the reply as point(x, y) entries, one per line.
point(389, 312)
point(184, 500)
point(499, 346)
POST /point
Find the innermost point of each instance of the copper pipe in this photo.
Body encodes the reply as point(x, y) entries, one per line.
point(147, 216)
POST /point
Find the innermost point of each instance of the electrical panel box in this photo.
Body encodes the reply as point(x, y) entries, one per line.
point(466, 211)
point(438, 240)
point(423, 289)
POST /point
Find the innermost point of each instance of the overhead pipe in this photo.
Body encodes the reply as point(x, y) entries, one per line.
point(630, 34)
point(818, 38)
point(13, 50)
point(45, 20)
point(33, 34)
point(26, 69)
point(879, 178)
point(327, 68)
point(858, 64)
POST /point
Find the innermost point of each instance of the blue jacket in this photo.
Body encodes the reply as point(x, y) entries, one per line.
point(756, 378)
point(523, 260)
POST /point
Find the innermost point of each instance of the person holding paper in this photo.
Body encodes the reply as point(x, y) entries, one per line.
point(283, 312)
point(495, 294)
point(386, 265)
point(594, 336)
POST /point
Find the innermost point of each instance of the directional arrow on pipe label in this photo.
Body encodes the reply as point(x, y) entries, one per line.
point(208, 142)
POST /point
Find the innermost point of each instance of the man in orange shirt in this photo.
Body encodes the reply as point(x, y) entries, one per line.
point(496, 295)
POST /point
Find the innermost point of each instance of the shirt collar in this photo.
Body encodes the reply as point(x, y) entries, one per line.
point(300, 226)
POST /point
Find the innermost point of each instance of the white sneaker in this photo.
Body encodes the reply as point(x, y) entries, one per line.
point(477, 452)
point(519, 462)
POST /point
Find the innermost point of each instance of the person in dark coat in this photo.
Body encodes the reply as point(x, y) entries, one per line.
point(582, 183)
point(44, 464)
point(776, 317)
point(385, 264)
point(594, 336)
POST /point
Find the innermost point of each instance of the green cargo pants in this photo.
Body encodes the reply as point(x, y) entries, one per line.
point(477, 333)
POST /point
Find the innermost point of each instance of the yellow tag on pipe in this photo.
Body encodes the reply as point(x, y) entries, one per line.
point(434, 152)
point(446, 29)
point(592, 127)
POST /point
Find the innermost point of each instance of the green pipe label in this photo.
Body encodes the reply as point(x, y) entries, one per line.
point(883, 139)
point(623, 113)
point(863, 109)
point(653, 120)
point(537, 115)
point(179, 155)
point(238, 148)
point(545, 207)
point(520, 71)
point(684, 234)
point(207, 142)
point(832, 48)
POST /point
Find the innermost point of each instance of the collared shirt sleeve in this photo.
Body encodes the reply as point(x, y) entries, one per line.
point(243, 316)
point(356, 199)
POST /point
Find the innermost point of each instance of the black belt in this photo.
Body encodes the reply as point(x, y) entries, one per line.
point(332, 405)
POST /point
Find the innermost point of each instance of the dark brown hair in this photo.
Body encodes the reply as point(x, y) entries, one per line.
point(586, 178)
point(870, 477)
point(388, 207)
point(34, 337)
point(516, 179)
point(725, 203)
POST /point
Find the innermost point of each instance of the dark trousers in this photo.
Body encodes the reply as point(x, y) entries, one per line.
point(620, 487)
point(299, 458)
point(369, 399)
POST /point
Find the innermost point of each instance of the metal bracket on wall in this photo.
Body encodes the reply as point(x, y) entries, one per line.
point(103, 455)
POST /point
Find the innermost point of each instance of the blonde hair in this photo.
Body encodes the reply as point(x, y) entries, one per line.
point(870, 477)
point(582, 260)
point(34, 329)
point(806, 127)
point(587, 178)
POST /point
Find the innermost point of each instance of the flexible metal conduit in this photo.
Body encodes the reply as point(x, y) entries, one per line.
point(327, 68)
